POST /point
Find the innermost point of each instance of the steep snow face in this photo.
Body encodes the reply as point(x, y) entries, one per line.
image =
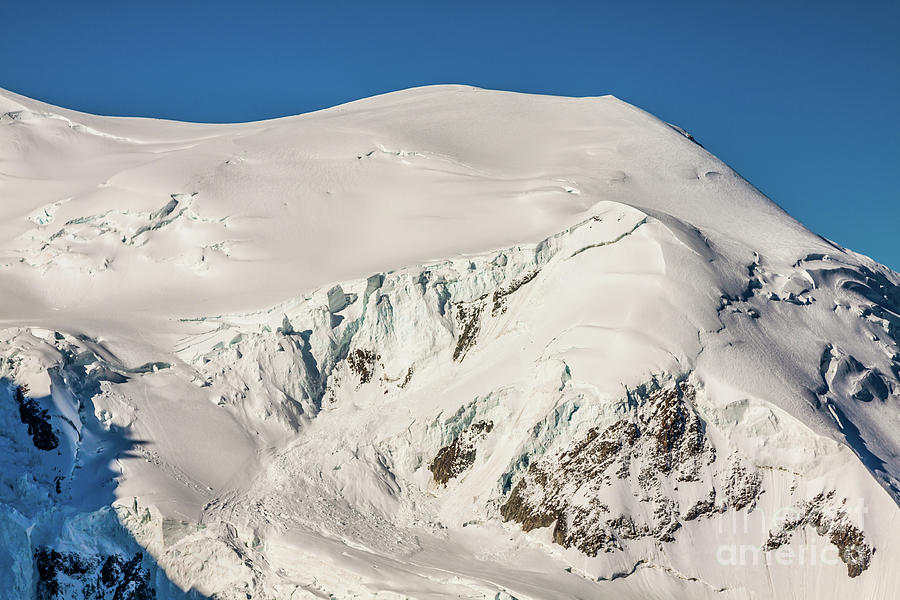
point(443, 342)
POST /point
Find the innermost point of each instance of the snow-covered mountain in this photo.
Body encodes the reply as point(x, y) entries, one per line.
point(445, 342)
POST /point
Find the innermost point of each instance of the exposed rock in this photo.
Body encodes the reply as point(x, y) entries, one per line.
point(680, 443)
point(69, 575)
point(743, 487)
point(500, 295)
point(661, 437)
point(469, 314)
point(703, 507)
point(453, 459)
point(362, 363)
point(469, 320)
point(406, 378)
point(37, 419)
point(832, 523)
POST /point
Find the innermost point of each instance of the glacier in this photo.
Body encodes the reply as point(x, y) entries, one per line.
point(444, 342)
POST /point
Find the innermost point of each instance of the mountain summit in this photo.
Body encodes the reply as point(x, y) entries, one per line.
point(444, 342)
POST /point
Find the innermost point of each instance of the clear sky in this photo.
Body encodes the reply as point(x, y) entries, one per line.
point(802, 98)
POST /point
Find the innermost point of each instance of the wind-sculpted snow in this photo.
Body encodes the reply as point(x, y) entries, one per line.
point(441, 343)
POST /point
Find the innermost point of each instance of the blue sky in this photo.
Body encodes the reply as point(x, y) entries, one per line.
point(802, 98)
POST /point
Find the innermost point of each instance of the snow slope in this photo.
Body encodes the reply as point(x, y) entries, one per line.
point(445, 342)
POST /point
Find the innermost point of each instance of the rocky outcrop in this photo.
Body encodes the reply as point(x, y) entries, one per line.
point(362, 364)
point(69, 575)
point(658, 444)
point(468, 318)
point(498, 298)
point(453, 459)
point(38, 420)
point(830, 522)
